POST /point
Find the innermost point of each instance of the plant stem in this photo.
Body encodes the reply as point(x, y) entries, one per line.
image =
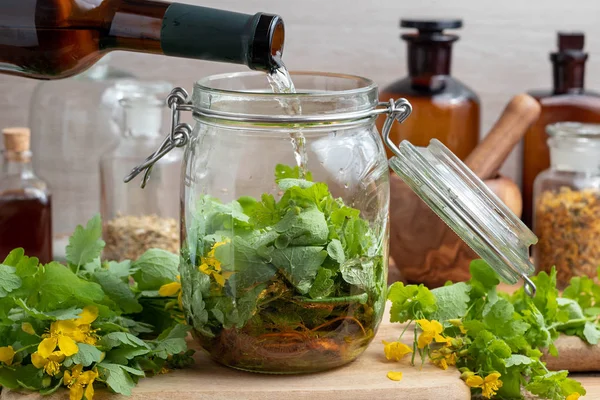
point(571, 322)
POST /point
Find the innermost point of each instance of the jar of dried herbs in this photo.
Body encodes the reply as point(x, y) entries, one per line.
point(567, 202)
point(137, 219)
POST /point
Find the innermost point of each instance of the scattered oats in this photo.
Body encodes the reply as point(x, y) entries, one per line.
point(128, 237)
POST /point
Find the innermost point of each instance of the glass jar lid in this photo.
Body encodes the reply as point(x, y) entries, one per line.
point(468, 207)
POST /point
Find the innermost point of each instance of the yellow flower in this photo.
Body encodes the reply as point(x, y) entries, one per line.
point(458, 323)
point(7, 353)
point(212, 266)
point(431, 330)
point(395, 350)
point(66, 333)
point(80, 383)
point(395, 375)
point(488, 386)
point(51, 364)
point(170, 289)
point(443, 358)
point(27, 328)
point(573, 396)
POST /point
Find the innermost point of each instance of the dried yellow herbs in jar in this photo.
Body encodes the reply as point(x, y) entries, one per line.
point(567, 223)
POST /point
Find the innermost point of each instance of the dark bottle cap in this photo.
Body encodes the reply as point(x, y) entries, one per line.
point(570, 41)
point(431, 25)
point(268, 41)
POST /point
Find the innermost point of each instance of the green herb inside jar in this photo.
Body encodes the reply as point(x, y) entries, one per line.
point(287, 286)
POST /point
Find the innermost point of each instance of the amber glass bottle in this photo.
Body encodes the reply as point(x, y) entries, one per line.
point(25, 214)
point(443, 107)
point(48, 39)
point(567, 101)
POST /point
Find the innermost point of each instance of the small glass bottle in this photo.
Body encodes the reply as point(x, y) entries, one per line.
point(25, 201)
point(136, 219)
point(567, 203)
point(443, 107)
point(566, 101)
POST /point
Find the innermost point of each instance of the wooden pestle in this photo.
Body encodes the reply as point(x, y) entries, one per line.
point(424, 249)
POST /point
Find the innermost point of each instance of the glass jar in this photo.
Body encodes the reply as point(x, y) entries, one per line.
point(135, 220)
point(284, 257)
point(73, 121)
point(567, 202)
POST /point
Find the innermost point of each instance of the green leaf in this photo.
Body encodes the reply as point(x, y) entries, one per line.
point(359, 273)
point(452, 302)
point(483, 277)
point(122, 355)
point(171, 341)
point(118, 291)
point(304, 227)
point(116, 339)
point(591, 333)
point(155, 268)
point(120, 269)
point(299, 264)
point(29, 377)
point(61, 314)
point(498, 315)
point(58, 288)
point(85, 244)
point(264, 213)
point(546, 294)
point(336, 251)
point(51, 389)
point(86, 356)
point(9, 280)
point(8, 378)
point(283, 171)
point(323, 284)
point(241, 257)
point(409, 301)
point(117, 377)
point(518, 359)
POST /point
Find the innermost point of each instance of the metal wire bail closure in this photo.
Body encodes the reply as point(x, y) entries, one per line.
point(397, 110)
point(177, 101)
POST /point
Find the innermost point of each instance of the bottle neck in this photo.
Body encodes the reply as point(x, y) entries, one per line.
point(575, 155)
point(17, 164)
point(568, 72)
point(429, 59)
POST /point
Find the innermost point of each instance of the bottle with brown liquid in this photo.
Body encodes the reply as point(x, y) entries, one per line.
point(25, 206)
point(567, 101)
point(443, 107)
point(49, 39)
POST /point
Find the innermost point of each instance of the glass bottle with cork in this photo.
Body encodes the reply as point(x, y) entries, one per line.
point(25, 201)
point(566, 101)
point(50, 39)
point(136, 220)
point(443, 107)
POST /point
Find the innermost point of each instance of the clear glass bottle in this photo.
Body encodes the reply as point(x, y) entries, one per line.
point(73, 121)
point(567, 203)
point(25, 201)
point(444, 108)
point(568, 101)
point(135, 220)
point(283, 258)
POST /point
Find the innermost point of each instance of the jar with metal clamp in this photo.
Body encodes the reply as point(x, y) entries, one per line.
point(136, 220)
point(284, 216)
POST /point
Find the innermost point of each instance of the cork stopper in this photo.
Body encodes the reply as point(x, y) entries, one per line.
point(16, 139)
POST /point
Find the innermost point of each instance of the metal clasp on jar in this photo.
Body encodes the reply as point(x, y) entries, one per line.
point(178, 100)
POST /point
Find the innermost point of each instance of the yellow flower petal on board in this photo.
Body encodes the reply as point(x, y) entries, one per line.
point(75, 392)
point(395, 375)
point(474, 381)
point(7, 354)
point(87, 316)
point(27, 328)
point(573, 396)
point(47, 346)
point(169, 289)
point(89, 391)
point(395, 350)
point(67, 345)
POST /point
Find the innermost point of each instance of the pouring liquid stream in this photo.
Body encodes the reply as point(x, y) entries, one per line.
point(281, 82)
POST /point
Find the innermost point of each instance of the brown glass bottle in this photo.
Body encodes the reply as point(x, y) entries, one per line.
point(49, 39)
point(567, 101)
point(443, 107)
point(25, 202)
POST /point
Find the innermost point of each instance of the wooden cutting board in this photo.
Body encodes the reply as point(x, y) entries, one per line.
point(363, 379)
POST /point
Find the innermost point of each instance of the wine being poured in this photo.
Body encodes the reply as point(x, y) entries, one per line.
point(281, 82)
